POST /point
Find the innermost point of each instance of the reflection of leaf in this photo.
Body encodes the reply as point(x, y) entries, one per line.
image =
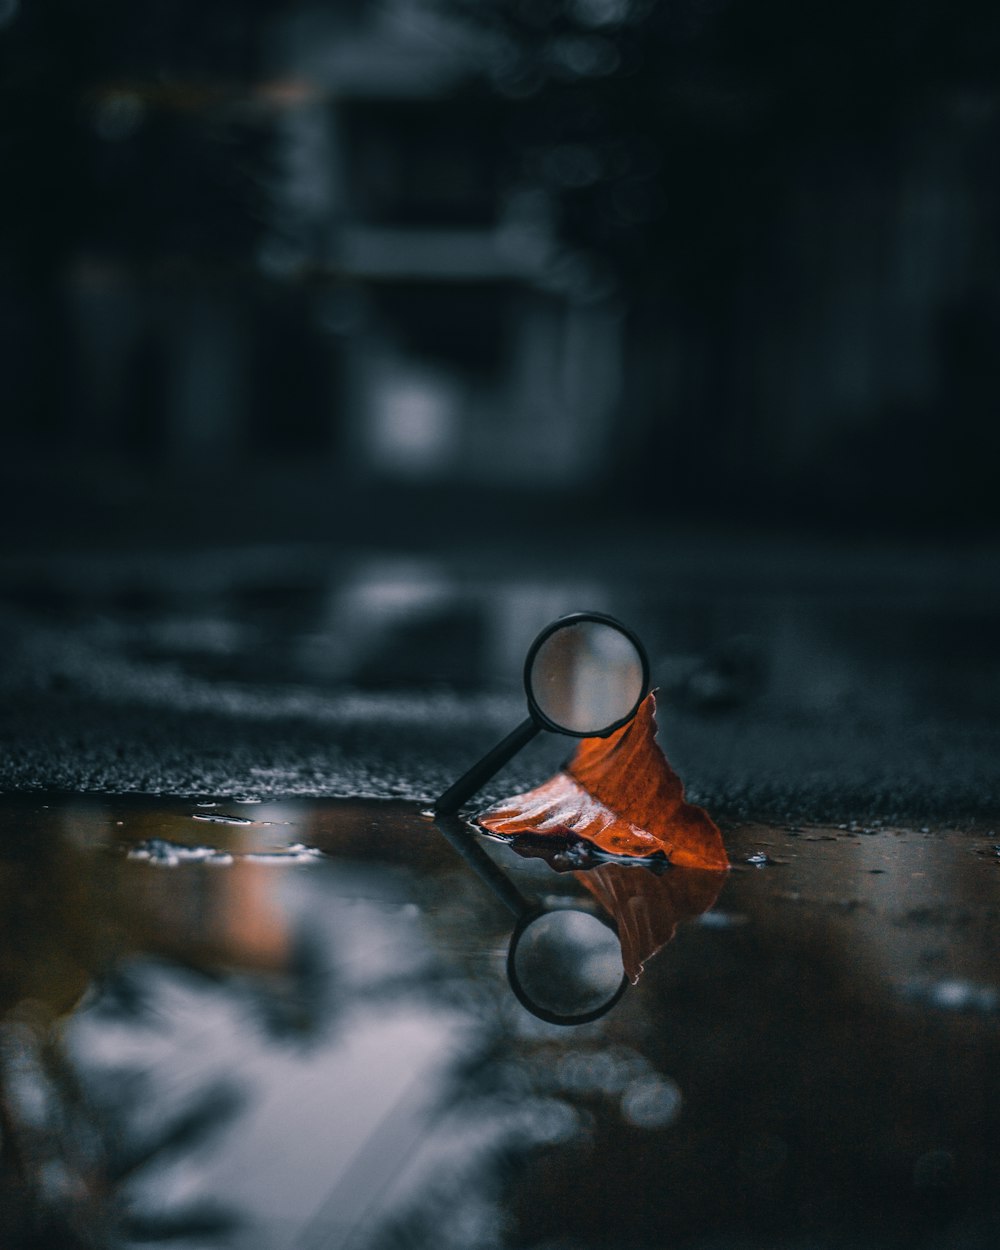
point(647, 907)
point(619, 794)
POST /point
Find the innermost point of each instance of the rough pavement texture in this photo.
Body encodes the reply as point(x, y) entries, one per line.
point(799, 682)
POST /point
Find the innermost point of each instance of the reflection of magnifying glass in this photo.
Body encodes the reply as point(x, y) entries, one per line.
point(585, 675)
point(564, 960)
point(565, 964)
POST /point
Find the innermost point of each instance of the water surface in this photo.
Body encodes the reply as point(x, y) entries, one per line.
point(287, 1024)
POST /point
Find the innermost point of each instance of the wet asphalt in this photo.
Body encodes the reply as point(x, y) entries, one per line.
point(798, 679)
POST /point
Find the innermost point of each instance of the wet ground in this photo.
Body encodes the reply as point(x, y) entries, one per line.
point(288, 1024)
point(800, 679)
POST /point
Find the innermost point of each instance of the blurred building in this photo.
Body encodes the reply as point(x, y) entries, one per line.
point(565, 248)
point(382, 300)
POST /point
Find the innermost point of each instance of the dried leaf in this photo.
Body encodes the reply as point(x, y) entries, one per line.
point(620, 795)
point(647, 907)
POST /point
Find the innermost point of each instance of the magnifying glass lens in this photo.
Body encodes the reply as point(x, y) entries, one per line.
point(566, 966)
point(586, 677)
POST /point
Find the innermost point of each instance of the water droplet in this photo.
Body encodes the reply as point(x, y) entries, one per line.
point(549, 1121)
point(295, 854)
point(218, 818)
point(651, 1102)
point(597, 1072)
point(165, 854)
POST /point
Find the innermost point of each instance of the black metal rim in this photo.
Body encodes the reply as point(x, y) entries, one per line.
point(574, 618)
point(525, 999)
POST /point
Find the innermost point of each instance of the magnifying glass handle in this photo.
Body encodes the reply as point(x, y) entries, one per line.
point(478, 775)
point(489, 872)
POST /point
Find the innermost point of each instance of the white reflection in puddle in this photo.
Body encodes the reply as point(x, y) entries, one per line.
point(953, 995)
point(653, 1102)
point(165, 854)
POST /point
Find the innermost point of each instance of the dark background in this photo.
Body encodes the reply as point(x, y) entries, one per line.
point(344, 344)
point(726, 259)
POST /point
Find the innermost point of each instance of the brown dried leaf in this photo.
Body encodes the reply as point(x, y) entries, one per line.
point(620, 795)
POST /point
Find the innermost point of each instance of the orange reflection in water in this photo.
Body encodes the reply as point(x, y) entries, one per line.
point(70, 904)
point(228, 916)
point(647, 907)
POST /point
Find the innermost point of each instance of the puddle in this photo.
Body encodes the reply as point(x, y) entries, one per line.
point(303, 1035)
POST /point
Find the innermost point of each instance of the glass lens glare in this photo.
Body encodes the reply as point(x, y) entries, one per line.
point(586, 676)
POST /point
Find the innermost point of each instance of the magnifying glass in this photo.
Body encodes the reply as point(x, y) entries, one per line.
point(564, 963)
point(564, 960)
point(585, 675)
